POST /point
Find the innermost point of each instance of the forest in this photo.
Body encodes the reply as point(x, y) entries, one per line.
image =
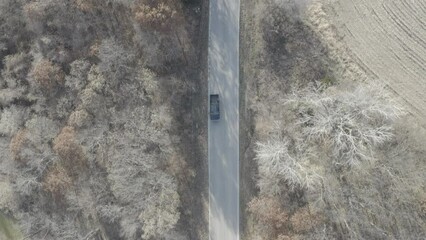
point(94, 95)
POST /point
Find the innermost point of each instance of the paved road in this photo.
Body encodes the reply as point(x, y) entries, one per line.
point(223, 154)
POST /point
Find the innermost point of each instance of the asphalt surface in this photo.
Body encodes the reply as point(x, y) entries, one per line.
point(223, 134)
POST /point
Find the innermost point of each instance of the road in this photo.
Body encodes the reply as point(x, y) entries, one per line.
point(223, 146)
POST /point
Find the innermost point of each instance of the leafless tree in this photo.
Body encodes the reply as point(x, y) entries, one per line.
point(278, 166)
point(352, 122)
point(11, 119)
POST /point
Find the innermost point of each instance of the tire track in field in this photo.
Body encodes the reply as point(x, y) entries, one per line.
point(389, 38)
point(417, 57)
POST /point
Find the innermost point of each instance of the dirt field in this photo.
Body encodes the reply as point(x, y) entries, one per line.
point(386, 38)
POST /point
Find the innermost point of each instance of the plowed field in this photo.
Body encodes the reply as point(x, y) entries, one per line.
point(388, 39)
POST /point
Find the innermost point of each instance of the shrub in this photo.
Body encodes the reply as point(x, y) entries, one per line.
point(26, 184)
point(47, 75)
point(268, 211)
point(43, 15)
point(79, 118)
point(91, 5)
point(303, 220)
point(68, 149)
point(94, 48)
point(84, 5)
point(12, 27)
point(7, 96)
point(161, 213)
point(16, 144)
point(64, 105)
point(36, 10)
point(97, 81)
point(179, 168)
point(291, 50)
point(57, 181)
point(161, 118)
point(109, 213)
point(161, 15)
point(7, 200)
point(149, 81)
point(93, 102)
point(287, 237)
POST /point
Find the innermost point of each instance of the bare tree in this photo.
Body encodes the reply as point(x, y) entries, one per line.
point(11, 119)
point(277, 166)
point(116, 61)
point(353, 122)
point(12, 27)
point(16, 69)
point(77, 79)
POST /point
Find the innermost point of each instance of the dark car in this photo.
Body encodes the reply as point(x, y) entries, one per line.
point(214, 107)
